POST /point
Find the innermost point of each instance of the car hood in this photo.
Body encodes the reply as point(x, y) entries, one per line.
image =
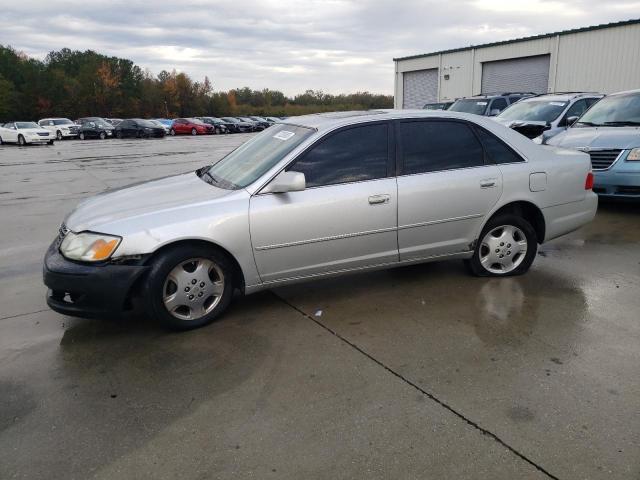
point(516, 123)
point(164, 194)
point(598, 137)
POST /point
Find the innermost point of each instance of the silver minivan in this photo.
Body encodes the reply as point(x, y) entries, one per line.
point(318, 196)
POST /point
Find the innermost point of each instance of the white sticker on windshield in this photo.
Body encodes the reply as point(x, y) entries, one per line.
point(557, 104)
point(481, 103)
point(284, 135)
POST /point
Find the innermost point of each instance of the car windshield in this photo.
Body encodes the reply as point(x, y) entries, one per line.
point(146, 123)
point(252, 159)
point(195, 120)
point(616, 110)
point(230, 120)
point(27, 125)
point(534, 111)
point(435, 106)
point(469, 105)
point(62, 121)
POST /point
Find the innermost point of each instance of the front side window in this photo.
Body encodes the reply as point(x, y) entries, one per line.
point(499, 104)
point(576, 109)
point(61, 121)
point(352, 155)
point(430, 146)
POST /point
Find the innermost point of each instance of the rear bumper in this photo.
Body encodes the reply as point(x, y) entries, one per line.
point(84, 290)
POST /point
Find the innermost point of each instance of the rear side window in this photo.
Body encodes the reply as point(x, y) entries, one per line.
point(496, 150)
point(356, 154)
point(438, 145)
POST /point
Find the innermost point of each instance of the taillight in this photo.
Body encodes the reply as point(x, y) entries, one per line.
point(588, 183)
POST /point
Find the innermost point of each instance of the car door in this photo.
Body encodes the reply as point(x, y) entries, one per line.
point(345, 218)
point(11, 134)
point(445, 188)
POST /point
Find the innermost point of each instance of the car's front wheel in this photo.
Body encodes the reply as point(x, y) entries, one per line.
point(172, 132)
point(189, 286)
point(103, 135)
point(59, 135)
point(507, 246)
point(194, 131)
point(21, 141)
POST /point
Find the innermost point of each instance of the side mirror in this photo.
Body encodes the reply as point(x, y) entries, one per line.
point(286, 182)
point(494, 112)
point(571, 120)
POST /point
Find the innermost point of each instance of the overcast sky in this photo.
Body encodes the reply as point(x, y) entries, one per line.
point(332, 45)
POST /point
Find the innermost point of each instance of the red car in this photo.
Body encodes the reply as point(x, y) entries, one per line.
point(190, 126)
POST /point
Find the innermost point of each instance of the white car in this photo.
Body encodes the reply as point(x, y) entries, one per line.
point(60, 127)
point(23, 133)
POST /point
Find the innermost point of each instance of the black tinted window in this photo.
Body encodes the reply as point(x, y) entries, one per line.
point(432, 146)
point(497, 151)
point(499, 104)
point(352, 155)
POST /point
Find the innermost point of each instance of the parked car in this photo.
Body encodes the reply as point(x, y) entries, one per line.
point(610, 133)
point(437, 106)
point(255, 126)
point(274, 119)
point(330, 194)
point(236, 125)
point(218, 125)
point(487, 104)
point(262, 121)
point(94, 127)
point(551, 113)
point(60, 127)
point(165, 127)
point(24, 133)
point(190, 126)
point(139, 128)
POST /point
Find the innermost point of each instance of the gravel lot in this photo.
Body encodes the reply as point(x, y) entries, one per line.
point(419, 372)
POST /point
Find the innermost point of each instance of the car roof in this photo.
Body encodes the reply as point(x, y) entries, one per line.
point(563, 96)
point(331, 120)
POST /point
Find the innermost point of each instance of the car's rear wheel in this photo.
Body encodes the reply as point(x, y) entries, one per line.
point(189, 286)
point(21, 141)
point(194, 131)
point(507, 247)
point(59, 135)
point(81, 136)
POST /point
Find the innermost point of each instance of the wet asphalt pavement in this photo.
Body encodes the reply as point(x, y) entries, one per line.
point(418, 372)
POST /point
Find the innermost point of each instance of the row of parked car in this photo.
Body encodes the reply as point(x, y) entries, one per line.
point(49, 129)
point(605, 127)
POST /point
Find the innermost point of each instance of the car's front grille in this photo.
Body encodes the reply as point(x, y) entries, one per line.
point(42, 134)
point(603, 159)
point(73, 129)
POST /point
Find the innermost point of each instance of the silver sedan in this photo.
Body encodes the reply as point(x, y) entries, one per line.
point(319, 195)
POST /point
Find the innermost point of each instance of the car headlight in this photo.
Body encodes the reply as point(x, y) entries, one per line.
point(634, 155)
point(88, 246)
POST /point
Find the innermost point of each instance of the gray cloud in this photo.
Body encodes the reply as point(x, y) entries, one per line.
point(331, 45)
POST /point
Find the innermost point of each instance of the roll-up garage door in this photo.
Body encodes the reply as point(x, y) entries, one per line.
point(419, 87)
point(526, 74)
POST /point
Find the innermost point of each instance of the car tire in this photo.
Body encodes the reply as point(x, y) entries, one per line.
point(172, 132)
point(194, 131)
point(507, 246)
point(59, 135)
point(171, 284)
point(50, 142)
point(119, 134)
point(103, 135)
point(81, 136)
point(0, 140)
point(21, 141)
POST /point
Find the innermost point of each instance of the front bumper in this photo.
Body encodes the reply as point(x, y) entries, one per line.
point(85, 290)
point(617, 182)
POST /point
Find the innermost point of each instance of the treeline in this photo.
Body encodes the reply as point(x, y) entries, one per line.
point(74, 84)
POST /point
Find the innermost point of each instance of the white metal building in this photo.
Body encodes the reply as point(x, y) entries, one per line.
point(602, 58)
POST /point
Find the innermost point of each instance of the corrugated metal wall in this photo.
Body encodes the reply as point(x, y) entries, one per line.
point(528, 74)
point(605, 60)
point(420, 87)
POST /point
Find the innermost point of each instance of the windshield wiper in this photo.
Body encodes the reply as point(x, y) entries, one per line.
point(624, 123)
point(589, 124)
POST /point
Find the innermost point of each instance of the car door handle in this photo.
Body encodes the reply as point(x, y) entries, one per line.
point(378, 199)
point(488, 183)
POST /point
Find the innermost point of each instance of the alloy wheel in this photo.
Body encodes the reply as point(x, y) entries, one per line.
point(503, 249)
point(193, 289)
